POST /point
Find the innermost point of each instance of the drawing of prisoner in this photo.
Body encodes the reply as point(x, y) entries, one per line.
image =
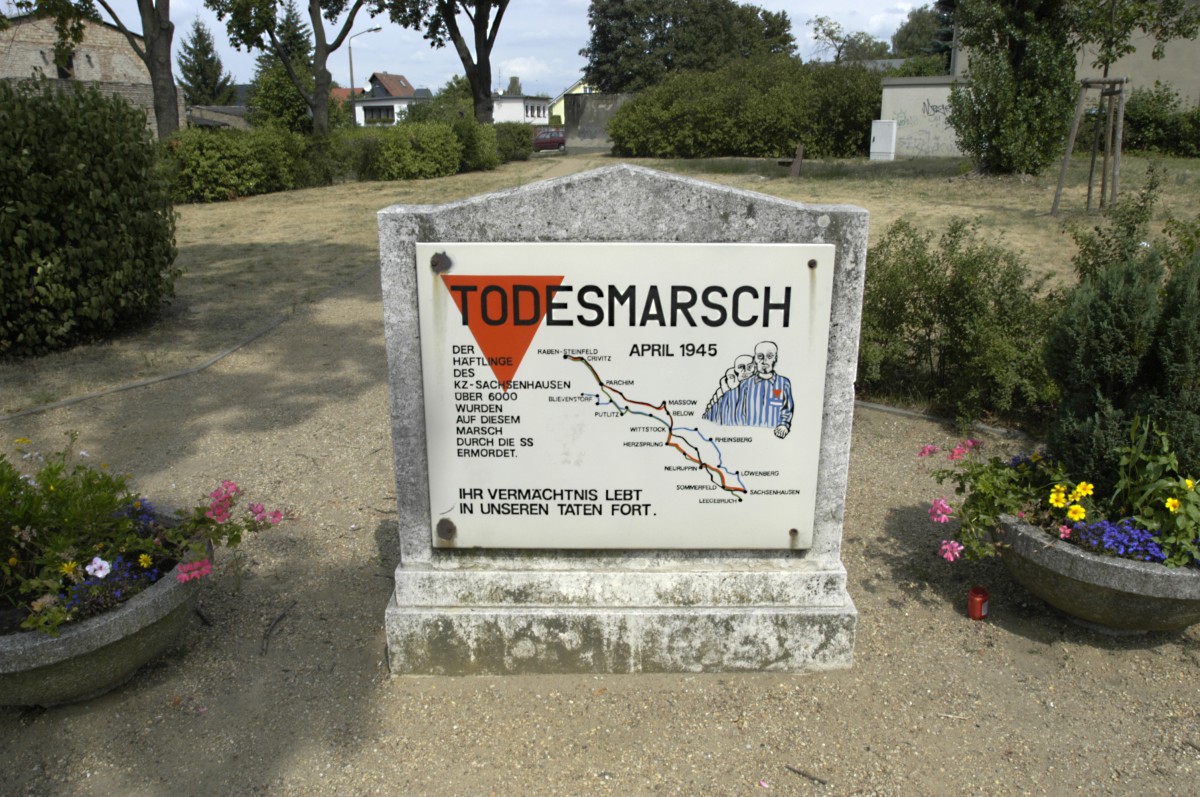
point(762, 399)
point(743, 366)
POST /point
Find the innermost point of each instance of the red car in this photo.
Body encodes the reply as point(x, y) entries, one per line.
point(550, 139)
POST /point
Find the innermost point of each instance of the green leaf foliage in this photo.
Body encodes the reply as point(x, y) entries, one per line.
point(418, 150)
point(637, 43)
point(1156, 121)
point(87, 232)
point(477, 142)
point(752, 107)
point(223, 164)
point(1012, 114)
point(954, 325)
point(514, 141)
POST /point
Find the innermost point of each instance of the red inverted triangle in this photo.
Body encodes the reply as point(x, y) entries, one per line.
point(515, 308)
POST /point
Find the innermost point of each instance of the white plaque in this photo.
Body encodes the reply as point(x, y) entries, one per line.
point(623, 395)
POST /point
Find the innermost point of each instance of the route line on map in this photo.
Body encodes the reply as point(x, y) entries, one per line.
point(716, 474)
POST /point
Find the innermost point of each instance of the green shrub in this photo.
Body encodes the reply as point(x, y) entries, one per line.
point(87, 233)
point(1013, 118)
point(1095, 353)
point(358, 152)
point(208, 165)
point(1126, 344)
point(417, 150)
point(760, 107)
point(477, 143)
point(1152, 119)
point(514, 141)
point(957, 326)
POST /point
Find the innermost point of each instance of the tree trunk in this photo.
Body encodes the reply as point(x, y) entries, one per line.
point(481, 81)
point(159, 32)
point(320, 99)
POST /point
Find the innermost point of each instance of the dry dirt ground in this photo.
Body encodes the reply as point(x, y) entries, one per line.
point(1022, 703)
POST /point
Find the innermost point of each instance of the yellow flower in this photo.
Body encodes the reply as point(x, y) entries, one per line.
point(1076, 512)
point(1189, 483)
point(12, 561)
point(1173, 504)
point(67, 568)
point(145, 561)
point(1083, 490)
point(1058, 496)
point(22, 441)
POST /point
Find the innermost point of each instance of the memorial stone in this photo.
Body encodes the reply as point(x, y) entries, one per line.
point(621, 408)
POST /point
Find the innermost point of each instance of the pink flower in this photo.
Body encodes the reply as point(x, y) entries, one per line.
point(190, 570)
point(276, 517)
point(940, 511)
point(1064, 532)
point(950, 550)
point(927, 451)
point(260, 514)
point(971, 443)
point(958, 453)
point(1020, 515)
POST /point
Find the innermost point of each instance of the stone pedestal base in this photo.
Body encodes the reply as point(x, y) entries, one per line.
point(722, 617)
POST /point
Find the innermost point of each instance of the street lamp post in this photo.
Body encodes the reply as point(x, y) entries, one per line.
point(350, 53)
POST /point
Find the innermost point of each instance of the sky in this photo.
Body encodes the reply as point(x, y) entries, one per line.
point(539, 41)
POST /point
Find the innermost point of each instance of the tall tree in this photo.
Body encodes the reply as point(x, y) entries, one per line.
point(202, 76)
point(153, 48)
point(1109, 25)
point(1012, 113)
point(637, 43)
point(275, 100)
point(254, 24)
point(917, 34)
point(439, 19)
point(846, 47)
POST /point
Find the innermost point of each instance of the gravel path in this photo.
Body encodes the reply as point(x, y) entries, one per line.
point(1023, 703)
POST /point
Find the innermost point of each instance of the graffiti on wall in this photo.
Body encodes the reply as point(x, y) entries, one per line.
point(921, 113)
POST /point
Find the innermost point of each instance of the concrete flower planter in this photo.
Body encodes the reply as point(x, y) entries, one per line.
point(91, 657)
point(1119, 594)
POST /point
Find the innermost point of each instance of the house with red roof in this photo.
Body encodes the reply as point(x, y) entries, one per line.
point(385, 99)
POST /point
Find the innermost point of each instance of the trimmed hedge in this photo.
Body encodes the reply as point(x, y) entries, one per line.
point(759, 107)
point(214, 165)
point(478, 143)
point(514, 141)
point(415, 150)
point(87, 233)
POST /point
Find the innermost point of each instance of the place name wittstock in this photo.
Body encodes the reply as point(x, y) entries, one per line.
point(516, 399)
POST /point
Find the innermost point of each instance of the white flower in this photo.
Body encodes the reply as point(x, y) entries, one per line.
point(84, 455)
point(98, 568)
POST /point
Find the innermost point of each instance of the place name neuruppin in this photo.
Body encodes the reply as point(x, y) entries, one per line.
point(631, 305)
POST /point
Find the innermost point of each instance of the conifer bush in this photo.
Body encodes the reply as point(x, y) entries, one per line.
point(87, 231)
point(1126, 344)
